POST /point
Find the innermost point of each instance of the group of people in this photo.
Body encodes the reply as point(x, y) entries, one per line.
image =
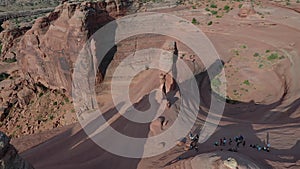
point(261, 148)
point(238, 140)
point(194, 142)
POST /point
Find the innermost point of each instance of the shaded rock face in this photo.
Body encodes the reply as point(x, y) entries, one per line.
point(48, 50)
point(9, 158)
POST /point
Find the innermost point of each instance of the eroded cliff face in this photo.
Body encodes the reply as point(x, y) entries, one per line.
point(49, 49)
point(36, 95)
point(9, 158)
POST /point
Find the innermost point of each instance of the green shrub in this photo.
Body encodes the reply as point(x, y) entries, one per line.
point(273, 56)
point(240, 5)
point(213, 6)
point(195, 22)
point(214, 12)
point(246, 82)
point(226, 8)
point(209, 23)
point(55, 103)
point(51, 117)
point(67, 100)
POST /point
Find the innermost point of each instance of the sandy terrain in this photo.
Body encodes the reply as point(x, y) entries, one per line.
point(265, 88)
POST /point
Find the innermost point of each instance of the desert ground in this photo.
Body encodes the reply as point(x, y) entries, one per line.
point(258, 43)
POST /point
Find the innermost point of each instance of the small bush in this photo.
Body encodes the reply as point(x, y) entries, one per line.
point(273, 56)
point(67, 100)
point(213, 6)
point(51, 117)
point(236, 52)
point(246, 82)
point(256, 54)
point(209, 23)
point(214, 12)
point(281, 57)
point(195, 22)
point(55, 103)
point(226, 8)
point(243, 46)
point(268, 51)
point(240, 5)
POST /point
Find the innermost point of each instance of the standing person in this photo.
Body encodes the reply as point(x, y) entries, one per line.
point(230, 141)
point(244, 143)
point(221, 142)
point(224, 141)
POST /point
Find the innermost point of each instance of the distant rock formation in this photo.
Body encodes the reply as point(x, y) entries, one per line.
point(9, 158)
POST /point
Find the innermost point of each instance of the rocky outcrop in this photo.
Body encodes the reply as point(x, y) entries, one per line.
point(17, 94)
point(9, 38)
point(246, 10)
point(9, 158)
point(49, 49)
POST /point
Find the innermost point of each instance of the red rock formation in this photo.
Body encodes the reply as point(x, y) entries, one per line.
point(246, 10)
point(49, 49)
point(9, 37)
